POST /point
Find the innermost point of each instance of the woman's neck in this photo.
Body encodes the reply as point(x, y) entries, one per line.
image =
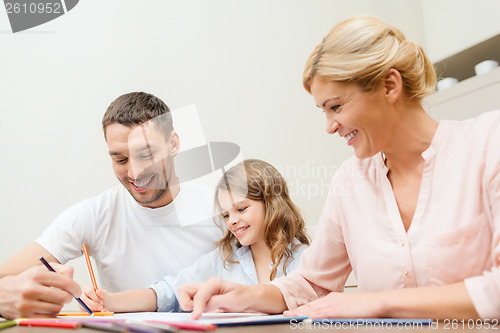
point(412, 136)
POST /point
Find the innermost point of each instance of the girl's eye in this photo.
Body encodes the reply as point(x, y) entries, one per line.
point(242, 209)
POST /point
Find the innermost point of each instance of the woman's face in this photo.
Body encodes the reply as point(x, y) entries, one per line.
point(361, 118)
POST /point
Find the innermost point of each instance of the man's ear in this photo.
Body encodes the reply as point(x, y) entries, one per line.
point(174, 144)
point(393, 85)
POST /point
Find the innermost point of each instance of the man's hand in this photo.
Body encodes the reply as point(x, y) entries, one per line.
point(37, 292)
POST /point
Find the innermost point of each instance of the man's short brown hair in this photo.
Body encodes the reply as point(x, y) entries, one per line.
point(136, 108)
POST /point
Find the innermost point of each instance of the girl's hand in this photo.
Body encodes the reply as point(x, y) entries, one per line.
point(94, 300)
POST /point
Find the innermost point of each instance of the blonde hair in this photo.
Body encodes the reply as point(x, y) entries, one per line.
point(259, 180)
point(361, 50)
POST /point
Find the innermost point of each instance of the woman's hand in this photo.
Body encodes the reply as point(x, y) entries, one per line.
point(220, 295)
point(341, 305)
point(213, 295)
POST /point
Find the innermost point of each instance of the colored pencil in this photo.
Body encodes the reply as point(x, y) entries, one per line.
point(65, 314)
point(163, 327)
point(132, 327)
point(109, 327)
point(89, 266)
point(42, 259)
point(49, 323)
point(186, 325)
point(9, 323)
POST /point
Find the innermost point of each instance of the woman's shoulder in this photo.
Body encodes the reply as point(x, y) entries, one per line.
point(474, 132)
point(478, 124)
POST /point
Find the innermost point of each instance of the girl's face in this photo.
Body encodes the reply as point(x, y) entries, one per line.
point(244, 217)
point(361, 118)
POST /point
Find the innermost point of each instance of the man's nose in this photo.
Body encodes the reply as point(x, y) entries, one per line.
point(136, 168)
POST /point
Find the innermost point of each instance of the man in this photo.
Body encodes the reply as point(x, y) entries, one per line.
point(152, 226)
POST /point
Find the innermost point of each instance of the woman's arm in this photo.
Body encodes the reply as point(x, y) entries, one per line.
point(440, 302)
point(231, 297)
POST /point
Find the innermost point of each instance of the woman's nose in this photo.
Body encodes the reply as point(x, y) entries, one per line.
point(332, 126)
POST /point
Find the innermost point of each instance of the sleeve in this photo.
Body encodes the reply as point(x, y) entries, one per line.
point(484, 290)
point(201, 270)
point(324, 266)
point(64, 237)
point(297, 256)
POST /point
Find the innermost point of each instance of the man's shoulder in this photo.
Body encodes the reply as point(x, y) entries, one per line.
point(192, 188)
point(114, 193)
point(104, 200)
point(201, 195)
point(195, 204)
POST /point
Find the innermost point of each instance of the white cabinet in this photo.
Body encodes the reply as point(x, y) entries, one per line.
point(466, 99)
point(473, 95)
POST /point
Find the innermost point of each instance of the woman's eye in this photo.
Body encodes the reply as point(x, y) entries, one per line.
point(225, 216)
point(147, 156)
point(335, 108)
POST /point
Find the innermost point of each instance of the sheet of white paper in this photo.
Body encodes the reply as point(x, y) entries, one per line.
point(176, 316)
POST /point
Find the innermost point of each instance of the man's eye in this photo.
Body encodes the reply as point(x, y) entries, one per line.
point(122, 161)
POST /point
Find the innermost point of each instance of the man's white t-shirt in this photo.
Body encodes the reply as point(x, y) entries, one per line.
point(135, 246)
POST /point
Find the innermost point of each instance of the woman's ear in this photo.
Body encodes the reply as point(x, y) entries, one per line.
point(393, 85)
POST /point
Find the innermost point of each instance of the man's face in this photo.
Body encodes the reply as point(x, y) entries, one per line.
point(143, 161)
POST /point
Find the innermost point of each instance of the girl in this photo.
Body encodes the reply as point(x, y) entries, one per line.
point(265, 238)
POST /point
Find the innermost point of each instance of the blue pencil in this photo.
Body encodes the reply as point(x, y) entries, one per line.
point(42, 259)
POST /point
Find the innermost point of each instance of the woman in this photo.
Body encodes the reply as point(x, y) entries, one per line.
point(423, 235)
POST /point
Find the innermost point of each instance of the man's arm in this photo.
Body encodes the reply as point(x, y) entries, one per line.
point(26, 258)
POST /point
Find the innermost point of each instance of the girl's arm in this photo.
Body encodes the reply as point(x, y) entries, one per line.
point(138, 300)
point(201, 270)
